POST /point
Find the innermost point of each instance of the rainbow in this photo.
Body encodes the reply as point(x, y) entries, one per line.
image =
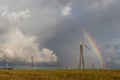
point(95, 48)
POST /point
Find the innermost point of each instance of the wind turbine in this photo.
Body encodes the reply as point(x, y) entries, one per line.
point(93, 65)
point(6, 62)
point(82, 63)
point(32, 62)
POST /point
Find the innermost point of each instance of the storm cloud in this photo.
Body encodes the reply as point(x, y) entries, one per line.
point(56, 25)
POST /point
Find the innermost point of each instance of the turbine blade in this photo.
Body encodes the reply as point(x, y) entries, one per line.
point(87, 47)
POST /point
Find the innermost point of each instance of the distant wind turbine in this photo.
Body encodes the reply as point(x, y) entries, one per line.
point(32, 62)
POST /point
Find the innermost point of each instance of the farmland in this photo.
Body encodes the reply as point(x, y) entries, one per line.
point(57, 74)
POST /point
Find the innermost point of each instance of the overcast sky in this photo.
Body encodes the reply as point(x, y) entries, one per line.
point(52, 29)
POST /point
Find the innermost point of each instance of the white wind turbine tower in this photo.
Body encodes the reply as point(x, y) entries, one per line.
point(82, 63)
point(6, 61)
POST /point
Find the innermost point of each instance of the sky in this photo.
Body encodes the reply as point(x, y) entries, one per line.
point(51, 31)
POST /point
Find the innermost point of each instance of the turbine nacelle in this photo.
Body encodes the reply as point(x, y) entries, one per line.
point(84, 45)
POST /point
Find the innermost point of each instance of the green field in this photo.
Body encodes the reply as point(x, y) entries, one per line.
point(63, 74)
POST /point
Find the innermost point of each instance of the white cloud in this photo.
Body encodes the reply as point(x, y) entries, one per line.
point(20, 47)
point(16, 18)
point(16, 45)
point(66, 10)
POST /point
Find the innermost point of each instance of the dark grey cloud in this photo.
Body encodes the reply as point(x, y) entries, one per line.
point(100, 18)
point(58, 25)
point(111, 54)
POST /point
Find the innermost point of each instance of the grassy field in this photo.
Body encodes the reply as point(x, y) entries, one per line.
point(59, 74)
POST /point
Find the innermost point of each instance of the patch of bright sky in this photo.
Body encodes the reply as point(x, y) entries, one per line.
point(66, 10)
